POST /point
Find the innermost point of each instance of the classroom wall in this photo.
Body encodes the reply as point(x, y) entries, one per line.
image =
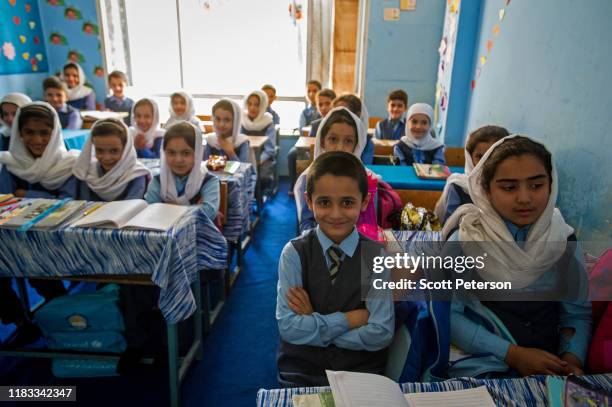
point(548, 76)
point(402, 54)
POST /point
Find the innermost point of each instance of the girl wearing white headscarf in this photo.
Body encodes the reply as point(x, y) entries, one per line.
point(418, 145)
point(528, 337)
point(127, 179)
point(8, 108)
point(184, 99)
point(45, 173)
point(145, 130)
point(240, 147)
point(257, 122)
point(336, 115)
point(456, 191)
point(80, 96)
point(197, 187)
point(356, 106)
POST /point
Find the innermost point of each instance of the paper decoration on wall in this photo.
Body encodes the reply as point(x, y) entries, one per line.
point(454, 6)
point(8, 50)
point(72, 13)
point(489, 44)
point(25, 55)
point(16, 20)
point(507, 2)
point(442, 47)
point(12, 3)
point(39, 57)
point(22, 39)
point(36, 39)
point(502, 13)
point(90, 28)
point(75, 56)
point(99, 71)
point(295, 11)
point(32, 25)
point(483, 60)
point(495, 29)
point(57, 39)
point(391, 14)
point(28, 7)
point(56, 2)
point(407, 5)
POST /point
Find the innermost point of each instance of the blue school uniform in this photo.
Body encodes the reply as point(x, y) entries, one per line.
point(529, 323)
point(367, 156)
point(9, 183)
point(153, 152)
point(312, 343)
point(85, 103)
point(455, 197)
point(209, 193)
point(116, 104)
point(306, 217)
point(388, 129)
point(70, 118)
point(275, 116)
point(309, 114)
point(135, 189)
point(408, 156)
point(242, 152)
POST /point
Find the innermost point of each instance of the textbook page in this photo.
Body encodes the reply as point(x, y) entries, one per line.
point(352, 389)
point(112, 214)
point(157, 216)
point(476, 397)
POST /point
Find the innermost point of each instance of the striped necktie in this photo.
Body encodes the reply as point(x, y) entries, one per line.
point(335, 254)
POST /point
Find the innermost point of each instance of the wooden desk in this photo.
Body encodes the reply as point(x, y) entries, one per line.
point(304, 143)
point(207, 126)
point(91, 116)
point(257, 142)
point(383, 147)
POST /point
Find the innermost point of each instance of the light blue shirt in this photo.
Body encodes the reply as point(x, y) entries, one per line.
point(309, 114)
point(324, 330)
point(419, 156)
point(210, 194)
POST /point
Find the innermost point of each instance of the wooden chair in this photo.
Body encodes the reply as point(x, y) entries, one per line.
point(301, 165)
point(455, 156)
point(372, 121)
point(223, 192)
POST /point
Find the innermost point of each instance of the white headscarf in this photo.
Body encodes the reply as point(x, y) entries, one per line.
point(196, 176)
point(53, 168)
point(111, 184)
point(263, 119)
point(154, 131)
point(480, 224)
point(426, 143)
point(460, 180)
point(188, 116)
point(237, 138)
point(18, 99)
point(80, 90)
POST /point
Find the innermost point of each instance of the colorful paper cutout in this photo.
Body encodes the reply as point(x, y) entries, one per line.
point(57, 39)
point(75, 56)
point(12, 3)
point(473, 84)
point(28, 7)
point(72, 13)
point(507, 2)
point(56, 2)
point(22, 39)
point(16, 20)
point(478, 71)
point(36, 40)
point(99, 71)
point(496, 29)
point(489, 45)
point(483, 60)
point(502, 13)
point(8, 49)
point(39, 57)
point(26, 55)
point(90, 28)
point(32, 25)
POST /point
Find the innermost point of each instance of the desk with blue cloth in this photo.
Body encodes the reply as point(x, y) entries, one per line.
point(171, 260)
point(75, 139)
point(528, 391)
point(403, 179)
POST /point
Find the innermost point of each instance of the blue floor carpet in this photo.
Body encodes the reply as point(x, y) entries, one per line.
point(239, 353)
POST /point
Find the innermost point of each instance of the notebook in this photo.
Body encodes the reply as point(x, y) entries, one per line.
point(60, 215)
point(431, 171)
point(133, 214)
point(365, 389)
point(26, 212)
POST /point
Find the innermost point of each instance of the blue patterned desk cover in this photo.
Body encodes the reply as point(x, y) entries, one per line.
point(529, 391)
point(169, 257)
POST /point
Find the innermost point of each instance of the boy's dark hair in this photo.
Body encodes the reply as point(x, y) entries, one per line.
point(110, 127)
point(37, 112)
point(398, 94)
point(339, 164)
point(515, 147)
point(269, 87)
point(485, 134)
point(340, 116)
point(182, 130)
point(328, 93)
point(315, 82)
point(53, 82)
point(223, 105)
point(118, 75)
point(352, 102)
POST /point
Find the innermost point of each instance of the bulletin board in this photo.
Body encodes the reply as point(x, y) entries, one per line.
point(21, 38)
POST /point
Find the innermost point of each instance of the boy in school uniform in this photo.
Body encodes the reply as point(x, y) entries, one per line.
point(310, 113)
point(56, 94)
point(322, 320)
point(394, 126)
point(271, 92)
point(118, 101)
point(325, 103)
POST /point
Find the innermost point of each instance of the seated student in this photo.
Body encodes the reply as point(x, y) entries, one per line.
point(456, 191)
point(147, 134)
point(55, 93)
point(322, 319)
point(118, 101)
point(353, 103)
point(80, 96)
point(393, 127)
point(182, 109)
point(8, 108)
point(257, 122)
point(182, 179)
point(514, 189)
point(341, 131)
point(107, 168)
point(271, 93)
point(418, 145)
point(325, 99)
point(310, 112)
point(227, 140)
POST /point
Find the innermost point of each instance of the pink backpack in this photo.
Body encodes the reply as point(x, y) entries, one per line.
point(389, 206)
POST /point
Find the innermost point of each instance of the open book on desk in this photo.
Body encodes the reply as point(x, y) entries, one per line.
point(351, 389)
point(133, 214)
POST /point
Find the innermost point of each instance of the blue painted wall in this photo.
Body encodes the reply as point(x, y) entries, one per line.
point(402, 54)
point(548, 76)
